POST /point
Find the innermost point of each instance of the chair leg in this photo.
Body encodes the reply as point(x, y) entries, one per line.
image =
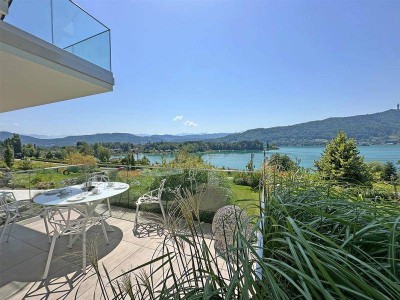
point(8, 236)
point(31, 207)
point(70, 241)
point(162, 211)
point(84, 251)
point(53, 242)
point(4, 228)
point(104, 232)
point(47, 228)
point(136, 216)
point(109, 206)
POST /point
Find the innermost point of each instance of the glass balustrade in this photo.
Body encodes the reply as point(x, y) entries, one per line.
point(65, 25)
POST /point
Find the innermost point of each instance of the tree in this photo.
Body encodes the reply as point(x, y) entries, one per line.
point(250, 164)
point(103, 153)
point(17, 145)
point(49, 155)
point(144, 161)
point(129, 159)
point(26, 164)
point(84, 148)
point(9, 156)
point(341, 161)
point(78, 158)
point(282, 162)
point(389, 172)
point(29, 150)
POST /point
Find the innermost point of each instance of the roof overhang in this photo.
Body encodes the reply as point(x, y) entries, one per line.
point(34, 72)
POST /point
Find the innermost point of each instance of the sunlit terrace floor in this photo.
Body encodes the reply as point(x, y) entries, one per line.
point(23, 259)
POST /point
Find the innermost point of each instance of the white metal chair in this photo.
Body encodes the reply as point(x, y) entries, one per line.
point(101, 177)
point(74, 228)
point(153, 196)
point(10, 205)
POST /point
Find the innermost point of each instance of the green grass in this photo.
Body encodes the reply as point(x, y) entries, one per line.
point(246, 198)
point(45, 179)
point(18, 165)
point(386, 187)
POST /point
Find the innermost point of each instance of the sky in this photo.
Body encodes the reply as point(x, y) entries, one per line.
point(229, 66)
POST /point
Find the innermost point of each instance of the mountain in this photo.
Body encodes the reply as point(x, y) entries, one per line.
point(378, 128)
point(190, 137)
point(111, 138)
point(43, 136)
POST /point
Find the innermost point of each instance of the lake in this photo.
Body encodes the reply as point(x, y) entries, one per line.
point(306, 155)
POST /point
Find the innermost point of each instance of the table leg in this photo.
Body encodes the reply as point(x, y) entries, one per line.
point(109, 206)
point(92, 211)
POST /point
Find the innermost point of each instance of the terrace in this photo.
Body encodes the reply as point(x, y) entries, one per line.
point(28, 245)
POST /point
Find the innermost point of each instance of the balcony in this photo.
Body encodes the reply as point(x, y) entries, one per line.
point(55, 50)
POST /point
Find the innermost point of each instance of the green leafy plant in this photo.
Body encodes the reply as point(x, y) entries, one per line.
point(341, 161)
point(389, 172)
point(318, 242)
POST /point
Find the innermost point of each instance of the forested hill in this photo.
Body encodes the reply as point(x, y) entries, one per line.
point(379, 128)
point(111, 138)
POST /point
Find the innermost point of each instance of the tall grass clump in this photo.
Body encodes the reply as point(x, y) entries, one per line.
point(315, 242)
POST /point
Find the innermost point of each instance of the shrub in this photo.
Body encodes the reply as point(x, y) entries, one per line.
point(3, 164)
point(45, 185)
point(389, 172)
point(341, 161)
point(73, 169)
point(37, 178)
point(317, 244)
point(282, 162)
point(252, 179)
point(80, 159)
point(26, 164)
point(375, 169)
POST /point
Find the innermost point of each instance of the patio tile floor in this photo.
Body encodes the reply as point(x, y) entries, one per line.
point(23, 258)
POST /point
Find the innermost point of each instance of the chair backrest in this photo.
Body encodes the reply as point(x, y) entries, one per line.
point(98, 177)
point(161, 188)
point(6, 198)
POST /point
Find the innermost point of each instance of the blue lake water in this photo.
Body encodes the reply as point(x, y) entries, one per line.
point(306, 156)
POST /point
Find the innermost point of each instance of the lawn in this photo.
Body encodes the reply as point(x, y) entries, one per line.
point(246, 198)
point(386, 187)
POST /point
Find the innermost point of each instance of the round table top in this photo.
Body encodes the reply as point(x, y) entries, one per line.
point(77, 195)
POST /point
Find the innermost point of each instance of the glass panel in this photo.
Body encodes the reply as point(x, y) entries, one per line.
point(65, 25)
point(95, 49)
point(72, 25)
point(32, 16)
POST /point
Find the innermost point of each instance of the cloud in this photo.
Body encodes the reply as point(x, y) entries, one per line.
point(190, 123)
point(178, 118)
point(15, 124)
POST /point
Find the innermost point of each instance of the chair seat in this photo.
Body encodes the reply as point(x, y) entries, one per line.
point(153, 196)
point(147, 199)
point(9, 205)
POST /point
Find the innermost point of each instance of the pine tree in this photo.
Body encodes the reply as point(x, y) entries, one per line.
point(341, 161)
point(17, 145)
point(390, 172)
point(9, 156)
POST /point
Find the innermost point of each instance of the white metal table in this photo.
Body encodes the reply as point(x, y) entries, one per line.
point(76, 194)
point(74, 198)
